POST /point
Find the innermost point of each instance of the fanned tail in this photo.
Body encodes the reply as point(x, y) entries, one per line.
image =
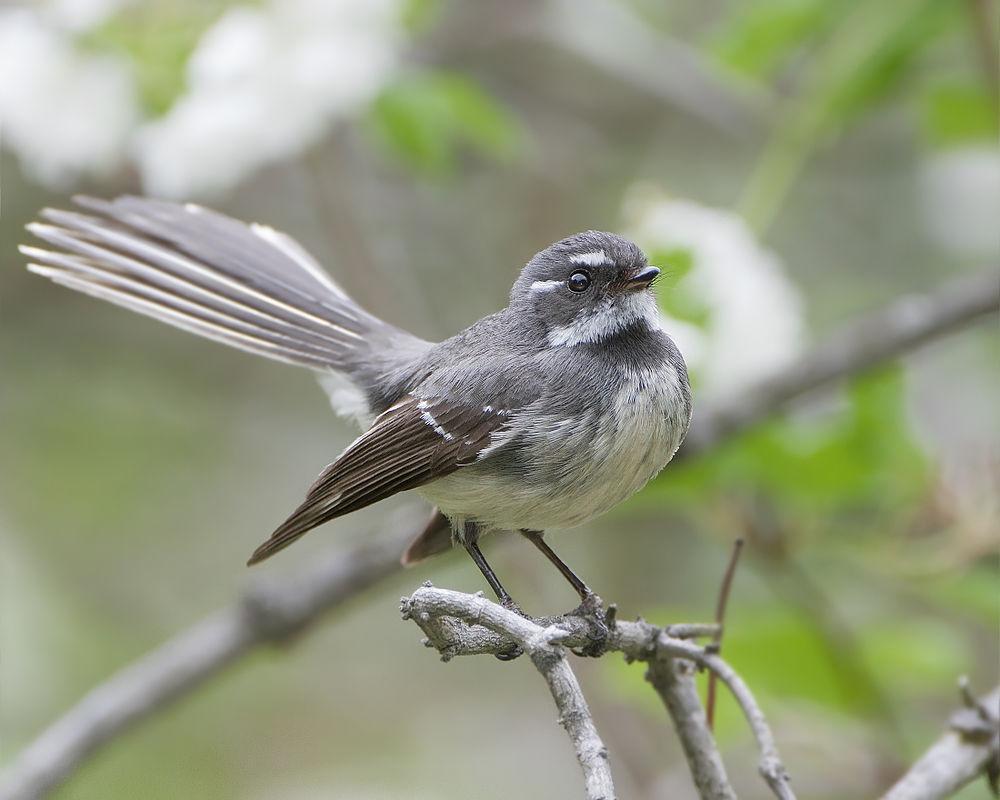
point(248, 286)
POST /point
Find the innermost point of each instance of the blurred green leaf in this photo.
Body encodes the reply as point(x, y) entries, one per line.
point(428, 120)
point(920, 654)
point(158, 38)
point(958, 113)
point(676, 298)
point(761, 36)
point(870, 50)
point(419, 15)
point(972, 591)
point(862, 455)
point(877, 51)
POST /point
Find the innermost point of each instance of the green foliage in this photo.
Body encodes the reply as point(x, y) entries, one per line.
point(861, 53)
point(428, 120)
point(876, 50)
point(915, 654)
point(971, 592)
point(158, 38)
point(676, 298)
point(763, 37)
point(956, 113)
point(419, 15)
point(861, 457)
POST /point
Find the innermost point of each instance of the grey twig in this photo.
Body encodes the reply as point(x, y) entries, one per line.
point(770, 766)
point(969, 749)
point(858, 346)
point(454, 624)
point(673, 680)
point(184, 663)
point(663, 67)
point(428, 607)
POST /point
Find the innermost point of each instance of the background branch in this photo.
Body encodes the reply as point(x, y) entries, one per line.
point(267, 614)
point(969, 749)
point(898, 328)
point(270, 613)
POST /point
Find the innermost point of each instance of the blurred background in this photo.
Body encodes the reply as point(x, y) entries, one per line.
point(792, 163)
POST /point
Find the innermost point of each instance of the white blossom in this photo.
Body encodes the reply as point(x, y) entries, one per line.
point(265, 83)
point(64, 113)
point(961, 201)
point(755, 325)
point(81, 15)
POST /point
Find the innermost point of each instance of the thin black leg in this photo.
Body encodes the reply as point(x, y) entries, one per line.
point(535, 537)
point(472, 548)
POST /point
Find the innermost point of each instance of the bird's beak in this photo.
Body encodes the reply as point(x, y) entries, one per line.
point(642, 279)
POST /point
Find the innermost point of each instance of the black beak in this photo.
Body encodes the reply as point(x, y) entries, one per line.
point(642, 278)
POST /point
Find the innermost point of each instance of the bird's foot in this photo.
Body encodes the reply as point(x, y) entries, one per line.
point(600, 621)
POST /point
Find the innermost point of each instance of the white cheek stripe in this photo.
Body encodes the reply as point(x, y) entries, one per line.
point(545, 286)
point(596, 258)
point(606, 321)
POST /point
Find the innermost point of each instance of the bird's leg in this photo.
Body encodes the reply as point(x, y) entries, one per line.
point(535, 537)
point(470, 535)
point(470, 540)
point(590, 607)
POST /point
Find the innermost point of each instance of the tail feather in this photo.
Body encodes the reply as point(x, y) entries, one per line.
point(248, 286)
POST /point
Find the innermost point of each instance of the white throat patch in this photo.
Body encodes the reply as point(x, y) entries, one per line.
point(606, 321)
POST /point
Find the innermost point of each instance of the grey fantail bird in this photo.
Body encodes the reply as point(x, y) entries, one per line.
point(540, 416)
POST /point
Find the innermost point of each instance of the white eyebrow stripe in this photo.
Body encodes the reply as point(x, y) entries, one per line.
point(545, 286)
point(593, 259)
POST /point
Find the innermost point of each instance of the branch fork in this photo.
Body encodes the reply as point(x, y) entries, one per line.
point(458, 624)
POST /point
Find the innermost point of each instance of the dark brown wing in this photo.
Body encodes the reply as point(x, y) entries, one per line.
point(414, 442)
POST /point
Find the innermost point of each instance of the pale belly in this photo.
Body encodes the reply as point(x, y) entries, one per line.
point(570, 471)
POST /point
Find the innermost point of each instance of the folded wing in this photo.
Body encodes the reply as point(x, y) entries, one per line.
point(416, 441)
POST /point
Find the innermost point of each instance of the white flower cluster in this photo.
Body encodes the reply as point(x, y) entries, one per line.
point(961, 200)
point(65, 113)
point(755, 324)
point(264, 83)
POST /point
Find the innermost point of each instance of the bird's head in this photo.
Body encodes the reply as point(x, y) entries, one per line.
point(587, 288)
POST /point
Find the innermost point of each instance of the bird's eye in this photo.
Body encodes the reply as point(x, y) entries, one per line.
point(578, 282)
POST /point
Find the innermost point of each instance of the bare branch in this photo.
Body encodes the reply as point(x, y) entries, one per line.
point(184, 663)
point(673, 681)
point(663, 67)
point(770, 766)
point(428, 605)
point(267, 614)
point(453, 623)
point(854, 348)
point(970, 748)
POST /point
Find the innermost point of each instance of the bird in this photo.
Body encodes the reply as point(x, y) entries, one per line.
point(542, 415)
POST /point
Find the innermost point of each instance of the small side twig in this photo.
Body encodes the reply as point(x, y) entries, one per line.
point(720, 619)
point(970, 748)
point(673, 681)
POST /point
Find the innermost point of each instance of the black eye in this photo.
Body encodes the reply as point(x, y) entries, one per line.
point(578, 282)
